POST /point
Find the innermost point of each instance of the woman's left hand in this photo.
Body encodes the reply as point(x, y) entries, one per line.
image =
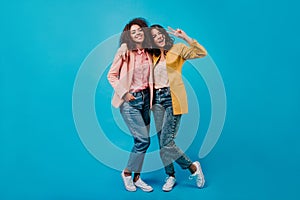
point(179, 33)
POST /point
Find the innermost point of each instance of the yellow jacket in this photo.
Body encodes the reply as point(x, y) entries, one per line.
point(175, 58)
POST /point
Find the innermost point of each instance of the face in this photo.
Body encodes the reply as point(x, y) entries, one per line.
point(137, 34)
point(158, 38)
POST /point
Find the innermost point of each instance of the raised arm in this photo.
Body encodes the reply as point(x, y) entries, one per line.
point(195, 50)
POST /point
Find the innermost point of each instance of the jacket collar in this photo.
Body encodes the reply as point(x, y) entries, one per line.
point(155, 59)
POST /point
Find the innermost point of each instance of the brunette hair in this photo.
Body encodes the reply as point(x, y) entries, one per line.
point(126, 38)
point(168, 39)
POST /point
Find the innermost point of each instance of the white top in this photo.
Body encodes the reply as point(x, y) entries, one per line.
point(160, 75)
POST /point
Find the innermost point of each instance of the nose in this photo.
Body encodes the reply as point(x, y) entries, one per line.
point(160, 36)
point(139, 32)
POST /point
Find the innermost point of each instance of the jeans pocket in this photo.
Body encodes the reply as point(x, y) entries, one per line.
point(136, 102)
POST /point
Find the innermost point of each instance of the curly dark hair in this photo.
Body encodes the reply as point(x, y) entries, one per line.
point(168, 39)
point(126, 38)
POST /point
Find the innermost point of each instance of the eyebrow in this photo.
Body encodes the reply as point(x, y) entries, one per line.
point(138, 29)
point(157, 33)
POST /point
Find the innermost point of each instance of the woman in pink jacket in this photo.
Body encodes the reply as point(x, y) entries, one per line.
point(131, 79)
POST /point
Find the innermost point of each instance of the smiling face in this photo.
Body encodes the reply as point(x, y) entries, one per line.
point(158, 38)
point(137, 34)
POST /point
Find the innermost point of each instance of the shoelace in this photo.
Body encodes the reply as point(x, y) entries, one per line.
point(191, 177)
point(168, 180)
point(143, 183)
point(197, 176)
point(129, 182)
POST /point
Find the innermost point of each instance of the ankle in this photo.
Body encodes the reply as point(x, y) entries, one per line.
point(192, 168)
point(136, 177)
point(127, 173)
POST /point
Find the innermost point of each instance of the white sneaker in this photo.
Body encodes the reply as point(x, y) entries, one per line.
point(128, 182)
point(144, 186)
point(198, 175)
point(170, 182)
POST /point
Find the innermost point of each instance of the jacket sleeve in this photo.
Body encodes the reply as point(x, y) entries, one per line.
point(195, 50)
point(113, 75)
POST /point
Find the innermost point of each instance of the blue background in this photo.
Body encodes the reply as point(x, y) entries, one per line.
point(255, 44)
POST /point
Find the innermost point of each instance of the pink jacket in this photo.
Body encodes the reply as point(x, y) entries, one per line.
point(120, 77)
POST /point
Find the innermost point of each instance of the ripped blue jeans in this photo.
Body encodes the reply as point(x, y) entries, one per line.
point(167, 125)
point(136, 114)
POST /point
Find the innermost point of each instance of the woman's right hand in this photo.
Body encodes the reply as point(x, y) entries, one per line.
point(128, 97)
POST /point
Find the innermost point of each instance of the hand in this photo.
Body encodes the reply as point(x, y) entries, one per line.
point(128, 97)
point(123, 51)
point(180, 34)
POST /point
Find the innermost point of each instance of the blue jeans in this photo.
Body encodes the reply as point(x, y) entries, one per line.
point(136, 115)
point(167, 125)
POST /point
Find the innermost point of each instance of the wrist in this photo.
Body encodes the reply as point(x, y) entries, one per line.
point(189, 39)
point(124, 96)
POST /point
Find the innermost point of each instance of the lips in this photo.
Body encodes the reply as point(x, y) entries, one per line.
point(139, 37)
point(161, 41)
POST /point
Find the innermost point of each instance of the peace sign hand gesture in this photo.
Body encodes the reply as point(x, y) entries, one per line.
point(180, 34)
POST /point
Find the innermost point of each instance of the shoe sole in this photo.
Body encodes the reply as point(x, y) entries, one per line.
point(144, 189)
point(167, 190)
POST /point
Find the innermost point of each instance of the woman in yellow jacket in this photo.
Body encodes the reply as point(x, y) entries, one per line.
point(170, 100)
